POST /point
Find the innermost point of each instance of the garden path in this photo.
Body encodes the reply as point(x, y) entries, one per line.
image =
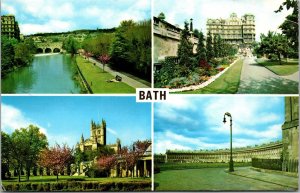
point(130, 81)
point(257, 79)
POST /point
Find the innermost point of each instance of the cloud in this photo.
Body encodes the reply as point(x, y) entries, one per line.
point(112, 131)
point(265, 17)
point(51, 26)
point(12, 119)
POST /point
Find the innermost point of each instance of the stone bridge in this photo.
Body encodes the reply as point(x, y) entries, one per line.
point(47, 47)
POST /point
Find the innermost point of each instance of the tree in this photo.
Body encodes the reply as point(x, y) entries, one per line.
point(5, 154)
point(56, 158)
point(7, 53)
point(201, 51)
point(185, 50)
point(26, 145)
point(106, 163)
point(104, 59)
point(71, 45)
point(290, 27)
point(274, 43)
point(209, 47)
point(162, 16)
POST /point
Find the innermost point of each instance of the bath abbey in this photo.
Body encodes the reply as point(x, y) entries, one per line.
point(97, 138)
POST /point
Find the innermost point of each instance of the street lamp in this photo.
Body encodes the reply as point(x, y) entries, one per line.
point(231, 160)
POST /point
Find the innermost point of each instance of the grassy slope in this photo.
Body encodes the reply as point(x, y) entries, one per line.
point(287, 68)
point(226, 83)
point(98, 79)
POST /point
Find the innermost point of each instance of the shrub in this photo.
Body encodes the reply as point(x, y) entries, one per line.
point(271, 164)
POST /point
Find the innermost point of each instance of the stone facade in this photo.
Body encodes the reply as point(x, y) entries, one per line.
point(234, 30)
point(166, 39)
point(290, 134)
point(271, 151)
point(97, 138)
point(10, 27)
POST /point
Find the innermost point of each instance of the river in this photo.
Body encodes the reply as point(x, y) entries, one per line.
point(47, 74)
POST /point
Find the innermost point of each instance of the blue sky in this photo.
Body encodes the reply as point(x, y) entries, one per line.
point(65, 15)
point(194, 122)
point(201, 10)
point(64, 118)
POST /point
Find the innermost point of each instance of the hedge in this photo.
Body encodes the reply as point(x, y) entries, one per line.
point(78, 186)
point(271, 164)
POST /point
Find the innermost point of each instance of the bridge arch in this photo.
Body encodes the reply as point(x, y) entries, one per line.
point(48, 50)
point(39, 50)
point(56, 50)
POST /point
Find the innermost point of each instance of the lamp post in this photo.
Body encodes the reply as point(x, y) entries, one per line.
point(231, 160)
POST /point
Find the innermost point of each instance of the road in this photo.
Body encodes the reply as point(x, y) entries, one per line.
point(256, 79)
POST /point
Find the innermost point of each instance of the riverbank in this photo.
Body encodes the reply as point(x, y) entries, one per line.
point(100, 81)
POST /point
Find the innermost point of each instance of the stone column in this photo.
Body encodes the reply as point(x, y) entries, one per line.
point(145, 168)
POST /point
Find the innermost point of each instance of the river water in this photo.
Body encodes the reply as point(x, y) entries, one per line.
point(47, 74)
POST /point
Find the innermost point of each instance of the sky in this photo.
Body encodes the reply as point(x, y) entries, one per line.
point(66, 15)
point(194, 123)
point(65, 118)
point(201, 10)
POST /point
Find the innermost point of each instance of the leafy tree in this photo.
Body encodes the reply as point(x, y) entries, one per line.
point(7, 53)
point(162, 16)
point(185, 49)
point(99, 45)
point(290, 27)
point(24, 53)
point(201, 51)
point(106, 163)
point(209, 47)
point(71, 45)
point(56, 158)
point(104, 59)
point(5, 154)
point(196, 33)
point(27, 143)
point(274, 43)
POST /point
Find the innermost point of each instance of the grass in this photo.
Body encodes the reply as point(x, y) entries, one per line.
point(71, 178)
point(97, 79)
point(182, 166)
point(287, 68)
point(209, 179)
point(226, 83)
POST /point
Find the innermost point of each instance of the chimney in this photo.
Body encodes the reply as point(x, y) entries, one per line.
point(191, 25)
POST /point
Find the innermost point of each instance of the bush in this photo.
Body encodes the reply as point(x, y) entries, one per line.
point(271, 164)
point(79, 186)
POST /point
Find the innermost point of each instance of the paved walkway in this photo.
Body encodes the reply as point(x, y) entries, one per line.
point(294, 77)
point(274, 178)
point(130, 81)
point(257, 79)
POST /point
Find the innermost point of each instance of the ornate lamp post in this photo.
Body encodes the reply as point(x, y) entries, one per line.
point(231, 160)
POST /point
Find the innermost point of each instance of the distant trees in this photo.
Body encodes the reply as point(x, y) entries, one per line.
point(56, 158)
point(71, 45)
point(99, 45)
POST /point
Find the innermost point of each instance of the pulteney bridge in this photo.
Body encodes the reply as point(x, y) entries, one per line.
point(47, 47)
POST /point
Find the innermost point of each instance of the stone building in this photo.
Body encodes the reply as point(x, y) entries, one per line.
point(290, 135)
point(10, 27)
point(270, 151)
point(97, 138)
point(166, 38)
point(234, 30)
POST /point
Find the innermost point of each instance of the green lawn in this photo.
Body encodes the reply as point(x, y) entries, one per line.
point(226, 83)
point(97, 79)
point(287, 68)
point(209, 179)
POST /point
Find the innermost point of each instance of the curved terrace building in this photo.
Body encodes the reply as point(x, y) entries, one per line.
point(271, 150)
